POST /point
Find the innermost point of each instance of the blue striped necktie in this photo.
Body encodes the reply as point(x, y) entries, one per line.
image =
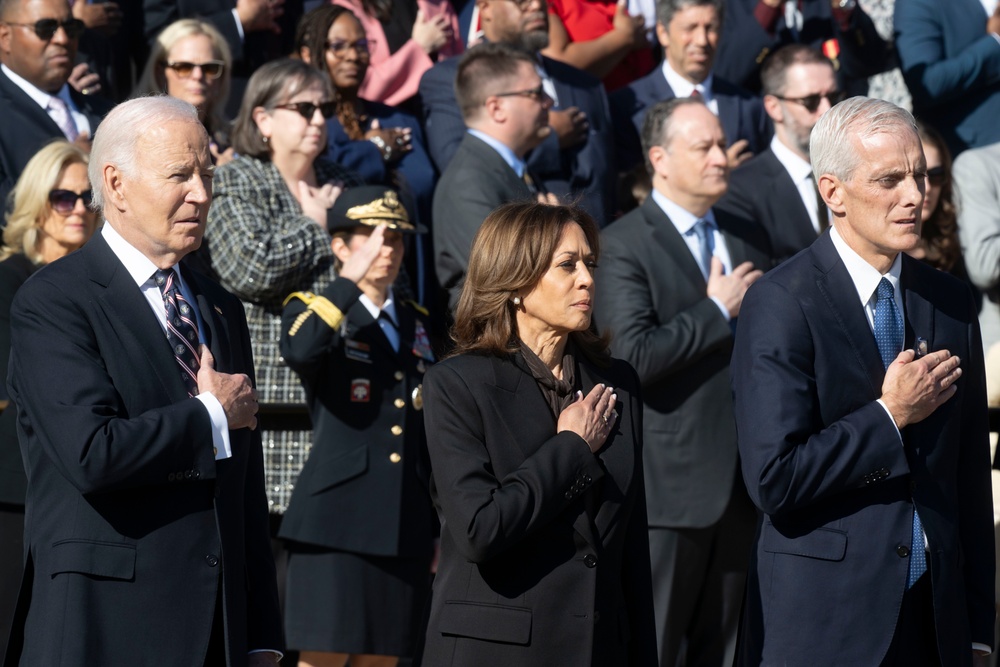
point(182, 333)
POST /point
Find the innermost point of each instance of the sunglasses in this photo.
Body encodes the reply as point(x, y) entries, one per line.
point(935, 176)
point(812, 102)
point(537, 93)
point(362, 48)
point(211, 70)
point(47, 28)
point(64, 201)
point(307, 109)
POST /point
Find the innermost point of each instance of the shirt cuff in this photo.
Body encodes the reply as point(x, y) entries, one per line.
point(767, 16)
point(239, 25)
point(268, 650)
point(725, 311)
point(220, 425)
point(976, 646)
point(891, 420)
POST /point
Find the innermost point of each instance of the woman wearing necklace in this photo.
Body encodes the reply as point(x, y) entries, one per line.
point(534, 437)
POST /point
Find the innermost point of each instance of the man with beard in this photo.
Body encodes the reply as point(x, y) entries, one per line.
point(575, 159)
point(777, 188)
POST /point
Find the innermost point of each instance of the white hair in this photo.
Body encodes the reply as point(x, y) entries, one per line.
point(831, 146)
point(118, 134)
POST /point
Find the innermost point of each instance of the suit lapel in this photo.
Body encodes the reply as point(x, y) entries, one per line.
point(729, 113)
point(919, 312)
point(18, 99)
point(786, 191)
point(667, 236)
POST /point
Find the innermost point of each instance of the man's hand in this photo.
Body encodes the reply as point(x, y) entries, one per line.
point(738, 153)
point(257, 15)
point(731, 289)
point(105, 17)
point(993, 24)
point(914, 388)
point(262, 659)
point(83, 80)
point(234, 392)
point(570, 125)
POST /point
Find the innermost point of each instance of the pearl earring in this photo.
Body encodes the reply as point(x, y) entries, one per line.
point(517, 301)
point(265, 139)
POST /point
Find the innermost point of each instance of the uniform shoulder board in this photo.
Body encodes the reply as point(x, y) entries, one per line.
point(306, 297)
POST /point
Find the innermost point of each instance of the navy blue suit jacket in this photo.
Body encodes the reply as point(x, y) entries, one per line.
point(585, 171)
point(823, 461)
point(741, 113)
point(952, 68)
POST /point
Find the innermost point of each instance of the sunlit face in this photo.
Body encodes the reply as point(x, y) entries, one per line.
point(196, 89)
point(61, 234)
point(932, 196)
point(882, 199)
point(692, 168)
point(563, 300)
point(385, 268)
point(690, 41)
point(166, 201)
point(793, 122)
point(524, 23)
point(288, 132)
point(44, 63)
point(348, 70)
point(527, 115)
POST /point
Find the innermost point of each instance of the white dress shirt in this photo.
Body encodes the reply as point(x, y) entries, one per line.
point(389, 328)
point(683, 88)
point(801, 174)
point(42, 99)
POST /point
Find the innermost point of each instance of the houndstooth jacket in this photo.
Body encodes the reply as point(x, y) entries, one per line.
point(263, 248)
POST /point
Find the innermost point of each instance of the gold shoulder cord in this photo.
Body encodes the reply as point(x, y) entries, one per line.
point(322, 306)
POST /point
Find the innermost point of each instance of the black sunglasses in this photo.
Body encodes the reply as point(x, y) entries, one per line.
point(64, 201)
point(46, 28)
point(935, 176)
point(307, 109)
point(537, 93)
point(812, 102)
point(211, 70)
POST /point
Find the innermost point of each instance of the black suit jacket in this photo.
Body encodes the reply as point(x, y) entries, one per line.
point(585, 171)
point(763, 191)
point(526, 577)
point(824, 463)
point(476, 181)
point(131, 526)
point(26, 127)
point(652, 296)
point(740, 112)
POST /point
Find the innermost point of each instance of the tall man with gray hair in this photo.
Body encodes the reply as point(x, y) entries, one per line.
point(146, 521)
point(861, 420)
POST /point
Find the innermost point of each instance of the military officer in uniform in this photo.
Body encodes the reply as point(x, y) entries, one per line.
point(359, 525)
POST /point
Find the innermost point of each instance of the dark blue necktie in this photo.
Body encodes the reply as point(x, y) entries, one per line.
point(889, 338)
point(706, 245)
point(181, 329)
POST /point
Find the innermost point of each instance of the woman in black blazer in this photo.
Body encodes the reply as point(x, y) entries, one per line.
point(535, 446)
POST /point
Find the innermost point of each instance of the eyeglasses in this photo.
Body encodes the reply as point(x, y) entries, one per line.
point(812, 102)
point(362, 48)
point(64, 201)
point(524, 4)
point(537, 93)
point(211, 69)
point(307, 109)
point(46, 29)
point(936, 176)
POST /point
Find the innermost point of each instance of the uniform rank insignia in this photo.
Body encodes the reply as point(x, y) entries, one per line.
point(358, 351)
point(422, 343)
point(361, 390)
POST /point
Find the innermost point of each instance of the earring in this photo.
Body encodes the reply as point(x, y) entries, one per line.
point(517, 301)
point(265, 139)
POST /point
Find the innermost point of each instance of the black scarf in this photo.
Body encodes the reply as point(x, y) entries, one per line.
point(559, 394)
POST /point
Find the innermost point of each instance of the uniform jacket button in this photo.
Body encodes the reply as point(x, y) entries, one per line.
point(212, 560)
point(396, 430)
point(398, 375)
point(590, 560)
point(902, 551)
point(395, 457)
point(399, 403)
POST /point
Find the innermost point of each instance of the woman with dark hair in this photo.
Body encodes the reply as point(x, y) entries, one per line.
point(266, 234)
point(536, 464)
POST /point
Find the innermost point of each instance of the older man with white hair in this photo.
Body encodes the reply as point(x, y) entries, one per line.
point(146, 521)
point(862, 429)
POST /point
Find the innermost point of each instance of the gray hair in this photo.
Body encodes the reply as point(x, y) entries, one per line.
point(831, 150)
point(117, 135)
point(665, 9)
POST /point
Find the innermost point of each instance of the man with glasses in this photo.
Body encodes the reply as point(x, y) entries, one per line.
point(38, 43)
point(506, 108)
point(777, 188)
point(575, 160)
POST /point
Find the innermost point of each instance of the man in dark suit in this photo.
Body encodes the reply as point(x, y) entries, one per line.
point(688, 31)
point(146, 520)
point(861, 413)
point(776, 188)
point(575, 159)
point(672, 278)
point(950, 56)
point(505, 107)
point(38, 104)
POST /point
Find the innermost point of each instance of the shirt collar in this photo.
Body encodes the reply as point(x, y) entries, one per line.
point(40, 96)
point(389, 307)
point(865, 276)
point(796, 167)
point(683, 219)
point(140, 267)
point(683, 88)
point(508, 155)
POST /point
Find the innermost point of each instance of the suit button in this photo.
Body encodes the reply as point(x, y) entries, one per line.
point(398, 375)
point(396, 430)
point(395, 457)
point(171, 477)
point(188, 474)
point(590, 560)
point(197, 474)
point(587, 479)
point(569, 495)
point(212, 560)
point(399, 403)
point(902, 551)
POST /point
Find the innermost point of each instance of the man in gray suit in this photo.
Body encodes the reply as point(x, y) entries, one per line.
point(672, 278)
point(976, 175)
point(506, 111)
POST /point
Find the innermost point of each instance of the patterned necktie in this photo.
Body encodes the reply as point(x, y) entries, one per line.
point(889, 338)
point(182, 333)
point(63, 118)
point(706, 245)
point(529, 181)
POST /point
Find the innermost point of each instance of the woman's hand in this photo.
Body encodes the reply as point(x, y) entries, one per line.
point(398, 141)
point(591, 418)
point(431, 34)
point(357, 265)
point(316, 201)
point(632, 29)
